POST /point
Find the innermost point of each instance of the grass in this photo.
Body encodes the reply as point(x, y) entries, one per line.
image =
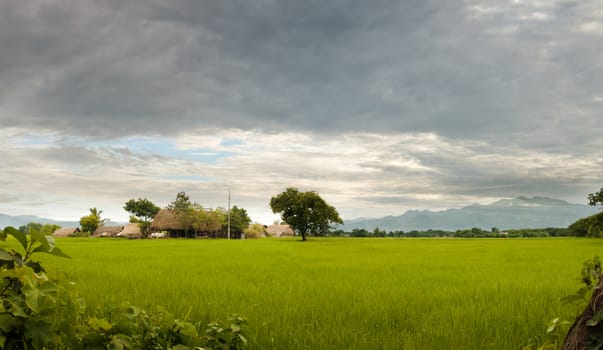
point(342, 293)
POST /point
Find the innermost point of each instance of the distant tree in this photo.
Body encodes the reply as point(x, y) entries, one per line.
point(379, 233)
point(45, 229)
point(185, 211)
point(239, 221)
point(208, 221)
point(596, 198)
point(182, 203)
point(49, 229)
point(91, 222)
point(30, 226)
point(306, 212)
point(142, 212)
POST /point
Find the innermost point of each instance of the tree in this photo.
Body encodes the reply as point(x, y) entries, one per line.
point(185, 211)
point(91, 222)
point(239, 220)
point(596, 198)
point(142, 212)
point(207, 221)
point(306, 212)
point(182, 203)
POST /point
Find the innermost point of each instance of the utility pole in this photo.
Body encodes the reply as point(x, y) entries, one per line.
point(228, 232)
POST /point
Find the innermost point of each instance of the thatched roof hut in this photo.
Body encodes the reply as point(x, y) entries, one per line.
point(66, 232)
point(107, 231)
point(279, 230)
point(131, 231)
point(166, 220)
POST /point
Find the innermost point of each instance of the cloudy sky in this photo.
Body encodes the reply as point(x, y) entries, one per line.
point(379, 106)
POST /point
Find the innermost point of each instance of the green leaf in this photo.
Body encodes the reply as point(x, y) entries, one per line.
point(4, 255)
point(7, 322)
point(39, 237)
point(32, 297)
point(18, 235)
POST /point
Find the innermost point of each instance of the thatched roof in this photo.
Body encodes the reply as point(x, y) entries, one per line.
point(107, 231)
point(279, 230)
point(166, 219)
point(66, 232)
point(130, 231)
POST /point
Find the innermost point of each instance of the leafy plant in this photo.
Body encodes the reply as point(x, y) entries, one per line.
point(37, 312)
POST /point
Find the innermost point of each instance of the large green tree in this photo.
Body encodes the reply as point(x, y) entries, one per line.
point(142, 212)
point(306, 212)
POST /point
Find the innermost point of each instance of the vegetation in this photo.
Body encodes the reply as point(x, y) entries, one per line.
point(142, 212)
point(467, 233)
point(254, 231)
point(91, 222)
point(596, 198)
point(239, 221)
point(306, 212)
point(37, 312)
point(332, 293)
point(35, 226)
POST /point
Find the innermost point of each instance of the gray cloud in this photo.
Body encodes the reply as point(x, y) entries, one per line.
point(484, 71)
point(390, 104)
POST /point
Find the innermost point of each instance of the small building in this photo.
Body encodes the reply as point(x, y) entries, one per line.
point(107, 231)
point(66, 232)
point(167, 221)
point(277, 230)
point(130, 231)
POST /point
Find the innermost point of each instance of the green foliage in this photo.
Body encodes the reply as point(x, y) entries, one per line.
point(37, 312)
point(590, 226)
point(239, 221)
point(208, 222)
point(254, 231)
point(306, 212)
point(590, 276)
point(91, 222)
point(596, 198)
point(142, 212)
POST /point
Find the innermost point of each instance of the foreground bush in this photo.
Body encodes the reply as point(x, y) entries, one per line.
point(37, 312)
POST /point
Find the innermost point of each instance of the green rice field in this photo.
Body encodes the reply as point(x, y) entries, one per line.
point(342, 293)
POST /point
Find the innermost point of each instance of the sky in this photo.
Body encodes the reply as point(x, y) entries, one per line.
point(379, 106)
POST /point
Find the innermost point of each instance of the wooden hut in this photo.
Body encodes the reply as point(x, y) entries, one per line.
point(107, 231)
point(131, 231)
point(66, 232)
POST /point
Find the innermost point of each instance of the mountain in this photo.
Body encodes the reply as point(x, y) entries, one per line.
point(520, 212)
point(16, 221)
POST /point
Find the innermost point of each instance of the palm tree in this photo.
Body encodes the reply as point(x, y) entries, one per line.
point(97, 214)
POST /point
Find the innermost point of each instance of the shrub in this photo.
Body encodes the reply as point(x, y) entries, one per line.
point(254, 231)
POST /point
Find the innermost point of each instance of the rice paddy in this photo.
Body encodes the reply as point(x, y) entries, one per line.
point(342, 293)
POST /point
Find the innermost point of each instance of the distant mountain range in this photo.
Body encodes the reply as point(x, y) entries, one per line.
point(521, 212)
point(16, 221)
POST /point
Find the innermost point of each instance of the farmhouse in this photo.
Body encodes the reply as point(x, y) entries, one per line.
point(107, 231)
point(66, 232)
point(279, 231)
point(131, 231)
